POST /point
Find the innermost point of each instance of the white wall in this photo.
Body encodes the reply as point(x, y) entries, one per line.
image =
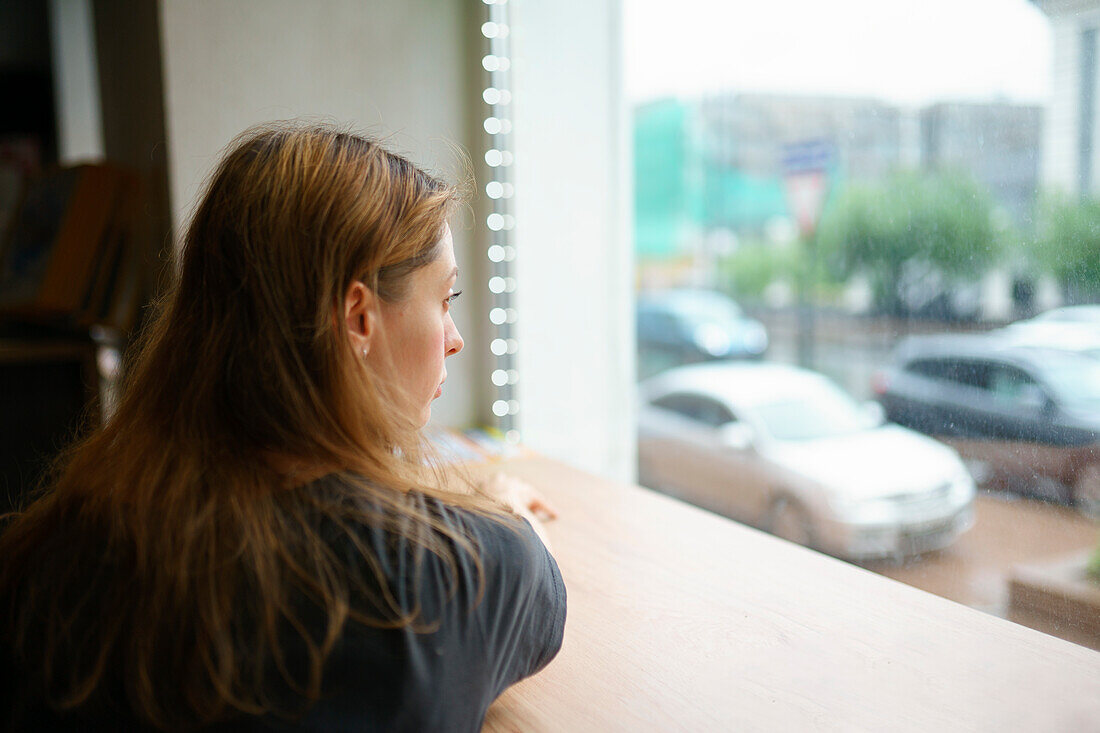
point(392, 67)
point(574, 264)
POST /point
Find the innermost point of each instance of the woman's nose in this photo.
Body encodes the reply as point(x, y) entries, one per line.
point(453, 339)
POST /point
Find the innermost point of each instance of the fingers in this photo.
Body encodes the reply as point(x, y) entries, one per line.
point(519, 494)
point(541, 508)
point(533, 499)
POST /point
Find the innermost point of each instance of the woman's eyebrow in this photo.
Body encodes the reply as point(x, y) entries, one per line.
point(454, 273)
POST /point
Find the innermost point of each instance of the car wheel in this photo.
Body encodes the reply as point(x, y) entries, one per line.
point(1086, 491)
point(789, 520)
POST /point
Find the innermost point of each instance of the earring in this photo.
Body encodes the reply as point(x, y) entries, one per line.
point(364, 352)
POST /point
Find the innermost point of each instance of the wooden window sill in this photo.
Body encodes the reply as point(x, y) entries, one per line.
point(682, 620)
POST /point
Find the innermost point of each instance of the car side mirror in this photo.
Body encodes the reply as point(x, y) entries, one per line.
point(737, 436)
point(873, 414)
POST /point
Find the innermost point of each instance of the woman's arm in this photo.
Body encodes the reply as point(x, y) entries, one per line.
point(483, 622)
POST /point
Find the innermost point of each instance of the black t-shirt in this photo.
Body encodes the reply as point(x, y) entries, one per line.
point(406, 679)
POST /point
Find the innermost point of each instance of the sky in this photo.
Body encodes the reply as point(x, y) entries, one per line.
point(909, 52)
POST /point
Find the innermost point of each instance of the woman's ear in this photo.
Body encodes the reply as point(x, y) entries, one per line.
point(361, 316)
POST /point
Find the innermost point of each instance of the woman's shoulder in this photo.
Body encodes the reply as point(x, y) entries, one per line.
point(401, 526)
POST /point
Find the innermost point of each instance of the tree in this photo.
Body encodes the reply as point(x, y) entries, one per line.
point(935, 225)
point(1068, 243)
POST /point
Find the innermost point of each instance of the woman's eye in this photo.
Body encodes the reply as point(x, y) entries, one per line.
point(452, 298)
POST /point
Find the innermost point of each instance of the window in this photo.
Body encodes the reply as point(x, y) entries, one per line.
point(1005, 383)
point(878, 214)
point(932, 368)
point(700, 409)
point(971, 373)
point(1009, 384)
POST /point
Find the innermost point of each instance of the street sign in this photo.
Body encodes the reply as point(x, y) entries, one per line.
point(805, 167)
point(807, 155)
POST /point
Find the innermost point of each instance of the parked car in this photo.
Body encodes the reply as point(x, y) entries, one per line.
point(1027, 418)
point(1083, 339)
point(1073, 328)
point(1070, 314)
point(686, 326)
point(785, 450)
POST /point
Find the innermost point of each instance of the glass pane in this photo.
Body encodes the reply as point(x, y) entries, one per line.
point(872, 231)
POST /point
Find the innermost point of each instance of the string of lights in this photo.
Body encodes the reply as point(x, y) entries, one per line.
point(501, 221)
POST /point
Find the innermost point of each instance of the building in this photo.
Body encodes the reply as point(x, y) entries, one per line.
point(750, 131)
point(996, 143)
point(1070, 153)
point(668, 196)
point(718, 163)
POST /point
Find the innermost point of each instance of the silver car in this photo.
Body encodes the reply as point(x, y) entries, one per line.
point(786, 450)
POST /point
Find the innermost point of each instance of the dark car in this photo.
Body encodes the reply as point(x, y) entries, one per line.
point(686, 326)
point(1025, 418)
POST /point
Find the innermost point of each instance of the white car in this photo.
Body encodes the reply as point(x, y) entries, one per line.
point(786, 450)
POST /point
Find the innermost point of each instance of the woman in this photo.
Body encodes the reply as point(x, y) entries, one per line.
point(252, 540)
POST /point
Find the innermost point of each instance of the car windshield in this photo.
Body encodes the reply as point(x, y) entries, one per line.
point(1075, 381)
point(824, 413)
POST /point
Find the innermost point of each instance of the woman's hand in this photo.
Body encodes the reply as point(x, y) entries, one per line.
point(522, 498)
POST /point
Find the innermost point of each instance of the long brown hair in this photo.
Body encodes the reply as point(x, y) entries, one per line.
point(168, 555)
